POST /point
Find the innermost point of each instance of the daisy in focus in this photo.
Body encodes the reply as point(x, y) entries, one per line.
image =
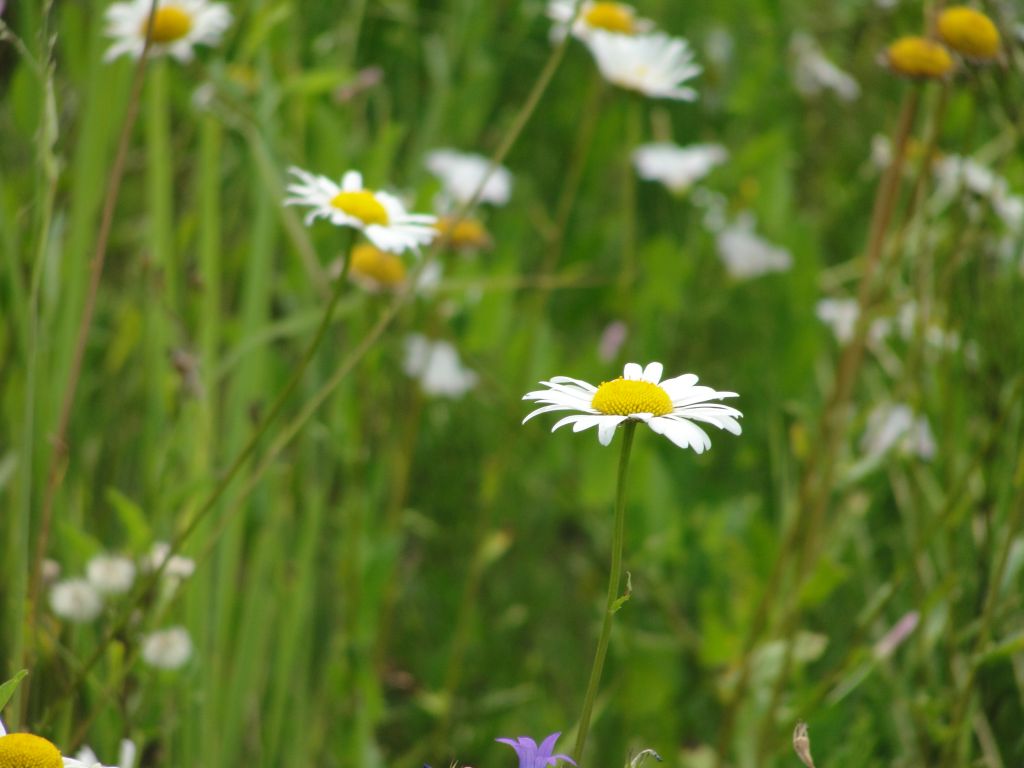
point(26, 750)
point(461, 174)
point(669, 407)
point(655, 65)
point(617, 18)
point(178, 27)
point(678, 168)
point(379, 215)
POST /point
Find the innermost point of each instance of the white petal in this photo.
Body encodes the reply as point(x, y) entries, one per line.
point(546, 409)
point(652, 372)
point(606, 428)
point(632, 372)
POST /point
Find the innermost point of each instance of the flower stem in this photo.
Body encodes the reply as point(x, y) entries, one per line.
point(614, 578)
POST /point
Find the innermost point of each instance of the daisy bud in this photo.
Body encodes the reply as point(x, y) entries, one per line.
point(969, 32)
point(919, 57)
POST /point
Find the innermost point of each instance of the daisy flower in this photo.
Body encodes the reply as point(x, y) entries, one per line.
point(656, 65)
point(437, 366)
point(746, 254)
point(27, 749)
point(111, 574)
point(617, 18)
point(678, 168)
point(670, 407)
point(178, 27)
point(462, 174)
point(381, 216)
point(533, 755)
point(76, 600)
point(814, 73)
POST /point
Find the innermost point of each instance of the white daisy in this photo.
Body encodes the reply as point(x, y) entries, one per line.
point(168, 648)
point(437, 366)
point(678, 168)
point(111, 574)
point(381, 216)
point(895, 425)
point(27, 749)
point(670, 407)
point(656, 65)
point(813, 73)
point(617, 18)
point(178, 27)
point(178, 567)
point(75, 600)
point(746, 254)
point(463, 173)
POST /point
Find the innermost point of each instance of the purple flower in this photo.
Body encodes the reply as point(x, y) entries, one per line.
point(533, 756)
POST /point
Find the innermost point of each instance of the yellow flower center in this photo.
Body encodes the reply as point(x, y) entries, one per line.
point(362, 205)
point(623, 397)
point(464, 233)
point(376, 266)
point(170, 23)
point(23, 750)
point(613, 17)
point(919, 57)
point(969, 32)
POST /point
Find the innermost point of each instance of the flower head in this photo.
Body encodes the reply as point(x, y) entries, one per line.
point(656, 65)
point(75, 600)
point(533, 755)
point(178, 567)
point(969, 32)
point(617, 18)
point(178, 27)
point(111, 574)
point(919, 57)
point(375, 270)
point(670, 407)
point(381, 216)
point(815, 73)
point(678, 168)
point(746, 254)
point(437, 366)
point(462, 174)
point(168, 648)
point(464, 234)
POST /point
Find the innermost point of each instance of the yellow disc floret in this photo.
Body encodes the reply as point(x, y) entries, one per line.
point(969, 32)
point(23, 750)
point(613, 17)
point(468, 234)
point(624, 397)
point(362, 205)
point(170, 23)
point(919, 57)
point(375, 267)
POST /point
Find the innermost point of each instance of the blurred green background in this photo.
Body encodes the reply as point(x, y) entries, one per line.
point(412, 577)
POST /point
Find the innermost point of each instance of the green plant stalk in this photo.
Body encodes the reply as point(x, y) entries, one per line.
point(147, 585)
point(614, 579)
point(160, 288)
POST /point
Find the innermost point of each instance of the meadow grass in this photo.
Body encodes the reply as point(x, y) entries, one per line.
point(395, 578)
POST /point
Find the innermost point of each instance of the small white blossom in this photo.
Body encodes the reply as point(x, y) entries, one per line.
point(655, 65)
point(462, 174)
point(75, 600)
point(168, 648)
point(178, 567)
point(896, 426)
point(111, 574)
point(179, 26)
point(437, 367)
point(814, 73)
point(678, 168)
point(746, 254)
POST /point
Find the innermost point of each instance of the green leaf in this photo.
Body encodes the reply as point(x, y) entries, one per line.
point(7, 689)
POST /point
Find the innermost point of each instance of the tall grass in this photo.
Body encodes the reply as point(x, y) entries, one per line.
point(394, 578)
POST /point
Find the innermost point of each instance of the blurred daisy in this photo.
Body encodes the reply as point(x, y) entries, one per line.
point(896, 426)
point(178, 566)
point(375, 270)
point(919, 58)
point(178, 27)
point(954, 172)
point(670, 407)
point(462, 174)
point(379, 215)
point(814, 73)
point(746, 254)
point(534, 755)
point(617, 18)
point(656, 65)
point(969, 32)
point(437, 367)
point(464, 234)
point(840, 315)
point(678, 168)
point(86, 758)
point(168, 648)
point(75, 600)
point(111, 574)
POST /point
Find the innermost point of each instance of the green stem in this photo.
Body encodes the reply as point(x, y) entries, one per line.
point(614, 578)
